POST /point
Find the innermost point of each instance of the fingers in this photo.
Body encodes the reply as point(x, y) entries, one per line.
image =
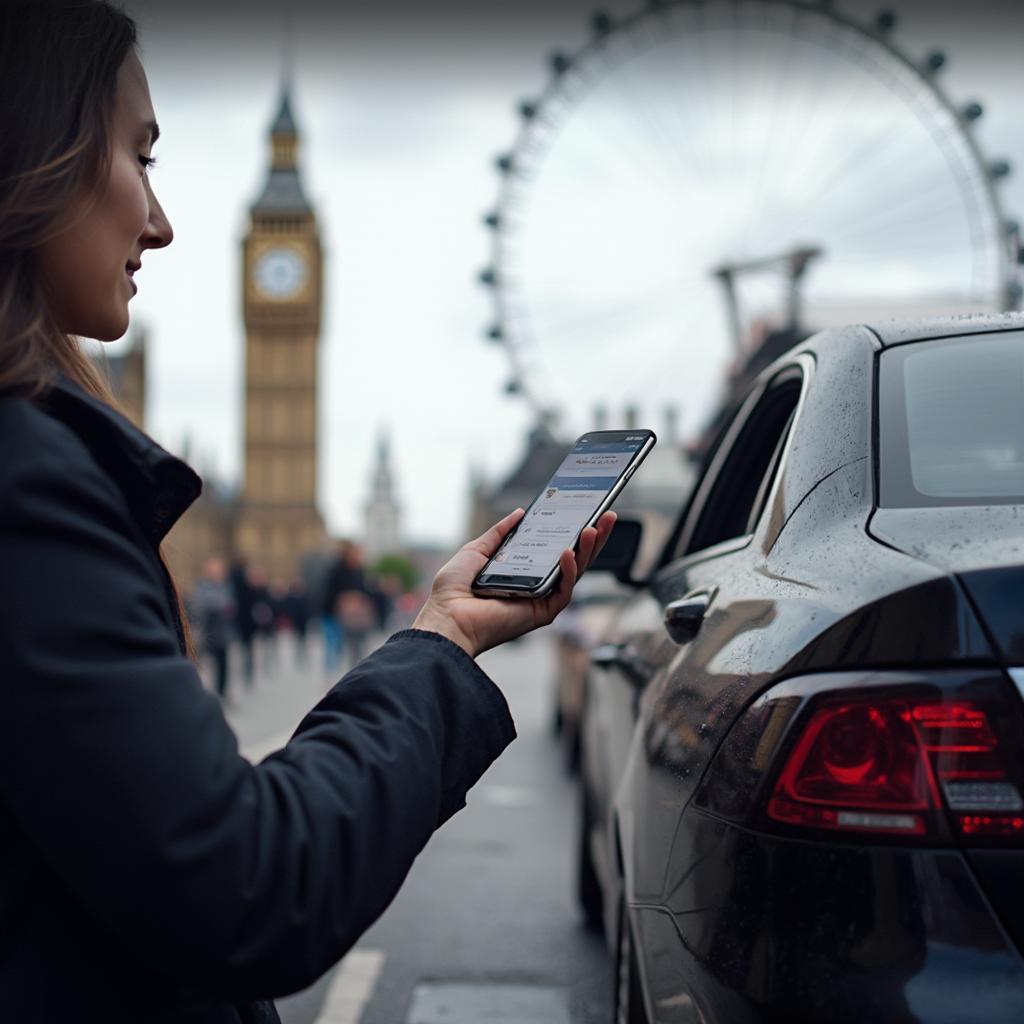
point(605, 526)
point(489, 542)
point(566, 581)
point(595, 542)
point(585, 549)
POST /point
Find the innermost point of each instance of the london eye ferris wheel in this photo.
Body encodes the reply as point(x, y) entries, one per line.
point(702, 166)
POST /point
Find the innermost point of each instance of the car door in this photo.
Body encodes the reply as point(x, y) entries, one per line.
point(706, 610)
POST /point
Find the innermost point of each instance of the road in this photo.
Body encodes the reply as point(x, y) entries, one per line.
point(485, 928)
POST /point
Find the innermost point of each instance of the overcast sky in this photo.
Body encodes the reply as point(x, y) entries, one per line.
point(402, 108)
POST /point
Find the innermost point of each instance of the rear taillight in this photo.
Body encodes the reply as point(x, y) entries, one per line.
point(891, 765)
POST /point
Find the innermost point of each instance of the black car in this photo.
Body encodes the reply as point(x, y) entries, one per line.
point(803, 741)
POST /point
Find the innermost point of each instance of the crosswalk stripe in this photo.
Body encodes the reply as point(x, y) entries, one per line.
point(351, 987)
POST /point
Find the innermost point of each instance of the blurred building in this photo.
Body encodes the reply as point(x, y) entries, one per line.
point(126, 372)
point(382, 513)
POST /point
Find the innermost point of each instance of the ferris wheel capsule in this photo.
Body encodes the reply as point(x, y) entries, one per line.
point(560, 63)
point(885, 21)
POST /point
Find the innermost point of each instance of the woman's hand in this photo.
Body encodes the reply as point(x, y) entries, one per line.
point(479, 623)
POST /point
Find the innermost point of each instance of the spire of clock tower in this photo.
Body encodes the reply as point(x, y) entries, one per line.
point(283, 191)
point(383, 515)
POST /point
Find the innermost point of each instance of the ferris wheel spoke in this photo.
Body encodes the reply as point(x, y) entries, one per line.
point(771, 144)
point(636, 141)
point(652, 305)
point(634, 116)
point(805, 140)
point(786, 133)
point(839, 49)
point(925, 206)
point(898, 218)
point(849, 112)
point(647, 99)
point(687, 92)
point(862, 207)
point(834, 136)
point(880, 151)
point(849, 213)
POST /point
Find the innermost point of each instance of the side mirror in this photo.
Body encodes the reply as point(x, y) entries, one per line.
point(619, 552)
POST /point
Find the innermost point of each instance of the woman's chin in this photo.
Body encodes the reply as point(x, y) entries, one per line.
point(108, 329)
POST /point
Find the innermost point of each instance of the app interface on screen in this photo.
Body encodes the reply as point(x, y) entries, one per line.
point(570, 498)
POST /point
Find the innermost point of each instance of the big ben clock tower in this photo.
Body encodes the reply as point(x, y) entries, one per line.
point(282, 272)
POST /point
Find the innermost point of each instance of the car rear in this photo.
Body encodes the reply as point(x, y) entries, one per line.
point(855, 850)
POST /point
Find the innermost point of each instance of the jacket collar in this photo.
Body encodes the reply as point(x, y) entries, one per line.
point(158, 486)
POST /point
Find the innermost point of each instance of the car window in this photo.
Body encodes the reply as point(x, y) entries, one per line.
point(745, 471)
point(952, 422)
point(769, 477)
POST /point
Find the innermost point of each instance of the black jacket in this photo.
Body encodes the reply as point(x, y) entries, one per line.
point(148, 872)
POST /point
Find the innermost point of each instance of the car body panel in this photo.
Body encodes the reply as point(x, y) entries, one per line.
point(901, 332)
point(768, 619)
point(974, 542)
point(893, 934)
point(823, 582)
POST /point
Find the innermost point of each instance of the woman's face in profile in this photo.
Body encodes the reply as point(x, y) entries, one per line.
point(87, 268)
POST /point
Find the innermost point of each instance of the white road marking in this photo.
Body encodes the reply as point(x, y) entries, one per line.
point(351, 987)
point(476, 1003)
point(508, 796)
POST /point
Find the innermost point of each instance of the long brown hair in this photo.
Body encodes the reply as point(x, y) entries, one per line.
point(59, 61)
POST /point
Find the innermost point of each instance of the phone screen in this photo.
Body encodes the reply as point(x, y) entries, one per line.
point(564, 506)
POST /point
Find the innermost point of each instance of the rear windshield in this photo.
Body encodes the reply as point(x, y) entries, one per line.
point(951, 422)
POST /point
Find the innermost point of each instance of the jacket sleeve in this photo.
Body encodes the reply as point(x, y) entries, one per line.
point(237, 880)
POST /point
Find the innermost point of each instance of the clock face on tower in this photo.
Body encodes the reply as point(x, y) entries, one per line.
point(280, 273)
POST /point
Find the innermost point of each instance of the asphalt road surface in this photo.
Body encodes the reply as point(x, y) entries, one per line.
point(485, 929)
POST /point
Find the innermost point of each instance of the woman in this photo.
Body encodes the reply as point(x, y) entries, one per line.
point(147, 871)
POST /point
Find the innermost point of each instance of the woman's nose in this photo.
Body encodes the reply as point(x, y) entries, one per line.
point(158, 231)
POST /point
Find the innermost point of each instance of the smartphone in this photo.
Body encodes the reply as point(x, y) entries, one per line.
point(583, 487)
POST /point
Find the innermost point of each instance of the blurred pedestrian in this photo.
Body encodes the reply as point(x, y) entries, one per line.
point(317, 572)
point(263, 619)
point(213, 609)
point(245, 621)
point(148, 872)
point(347, 596)
point(386, 592)
point(298, 612)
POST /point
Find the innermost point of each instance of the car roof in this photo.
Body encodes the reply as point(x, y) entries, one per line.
point(900, 332)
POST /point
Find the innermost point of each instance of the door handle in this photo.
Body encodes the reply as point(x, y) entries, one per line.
point(624, 657)
point(683, 618)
